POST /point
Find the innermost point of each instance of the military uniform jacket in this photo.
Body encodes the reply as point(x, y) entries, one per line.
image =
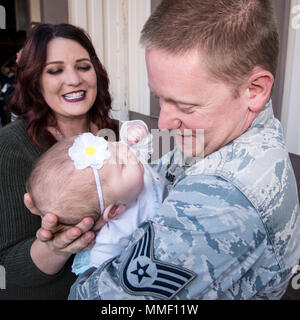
point(229, 227)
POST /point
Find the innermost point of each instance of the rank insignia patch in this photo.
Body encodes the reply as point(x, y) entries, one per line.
point(142, 274)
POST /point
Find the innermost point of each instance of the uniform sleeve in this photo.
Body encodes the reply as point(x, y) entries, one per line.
point(202, 245)
point(216, 233)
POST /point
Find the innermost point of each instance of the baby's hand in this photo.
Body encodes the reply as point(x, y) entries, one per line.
point(136, 133)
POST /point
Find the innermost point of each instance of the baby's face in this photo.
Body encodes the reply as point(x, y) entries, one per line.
point(123, 175)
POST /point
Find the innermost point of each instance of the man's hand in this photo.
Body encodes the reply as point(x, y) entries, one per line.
point(55, 242)
point(61, 238)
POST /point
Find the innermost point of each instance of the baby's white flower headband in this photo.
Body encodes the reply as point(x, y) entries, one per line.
point(90, 151)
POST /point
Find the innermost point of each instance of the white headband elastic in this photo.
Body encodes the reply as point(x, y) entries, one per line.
point(90, 151)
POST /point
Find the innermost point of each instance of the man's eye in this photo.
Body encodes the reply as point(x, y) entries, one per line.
point(186, 110)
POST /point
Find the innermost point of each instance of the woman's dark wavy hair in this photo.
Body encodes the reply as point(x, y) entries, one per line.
point(28, 102)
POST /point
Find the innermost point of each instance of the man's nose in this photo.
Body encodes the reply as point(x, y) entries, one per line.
point(168, 117)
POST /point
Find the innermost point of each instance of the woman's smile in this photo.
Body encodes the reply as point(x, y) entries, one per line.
point(75, 96)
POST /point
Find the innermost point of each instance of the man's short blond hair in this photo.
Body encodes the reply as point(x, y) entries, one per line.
point(235, 35)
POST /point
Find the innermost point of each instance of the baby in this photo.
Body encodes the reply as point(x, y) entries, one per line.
point(86, 176)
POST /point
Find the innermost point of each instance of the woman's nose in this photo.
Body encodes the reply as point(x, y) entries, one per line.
point(168, 119)
point(72, 78)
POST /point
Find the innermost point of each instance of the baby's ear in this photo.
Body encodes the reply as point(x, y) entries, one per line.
point(113, 211)
point(30, 204)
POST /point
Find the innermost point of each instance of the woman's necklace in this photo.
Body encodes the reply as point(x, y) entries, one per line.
point(59, 135)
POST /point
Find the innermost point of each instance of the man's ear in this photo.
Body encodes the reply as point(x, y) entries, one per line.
point(259, 89)
point(113, 211)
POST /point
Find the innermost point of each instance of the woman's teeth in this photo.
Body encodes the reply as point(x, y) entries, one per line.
point(74, 95)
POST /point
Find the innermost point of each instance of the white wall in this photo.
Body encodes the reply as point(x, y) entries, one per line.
point(114, 27)
point(35, 10)
point(139, 93)
point(2, 17)
point(291, 99)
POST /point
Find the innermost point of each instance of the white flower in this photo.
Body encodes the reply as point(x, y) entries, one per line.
point(89, 151)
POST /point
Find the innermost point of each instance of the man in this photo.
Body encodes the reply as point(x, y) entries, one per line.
point(229, 225)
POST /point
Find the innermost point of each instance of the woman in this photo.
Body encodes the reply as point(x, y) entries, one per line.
point(61, 91)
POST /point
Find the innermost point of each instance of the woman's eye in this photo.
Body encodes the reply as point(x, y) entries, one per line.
point(54, 71)
point(84, 68)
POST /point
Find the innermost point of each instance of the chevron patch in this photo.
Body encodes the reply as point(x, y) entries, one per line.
point(142, 274)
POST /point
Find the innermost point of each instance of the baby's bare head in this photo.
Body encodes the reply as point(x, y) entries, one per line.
point(56, 186)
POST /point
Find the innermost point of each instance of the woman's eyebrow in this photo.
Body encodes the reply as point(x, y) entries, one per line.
point(83, 59)
point(61, 62)
point(54, 62)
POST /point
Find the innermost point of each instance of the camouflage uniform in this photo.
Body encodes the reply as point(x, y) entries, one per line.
point(228, 229)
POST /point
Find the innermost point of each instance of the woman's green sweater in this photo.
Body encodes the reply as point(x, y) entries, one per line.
point(18, 226)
